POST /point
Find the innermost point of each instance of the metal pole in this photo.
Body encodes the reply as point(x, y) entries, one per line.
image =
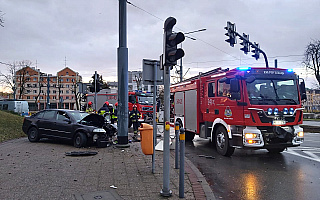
point(95, 92)
point(177, 146)
point(181, 75)
point(166, 192)
point(181, 172)
point(48, 92)
point(275, 63)
point(123, 77)
point(154, 114)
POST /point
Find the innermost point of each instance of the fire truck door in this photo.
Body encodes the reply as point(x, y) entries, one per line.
point(227, 108)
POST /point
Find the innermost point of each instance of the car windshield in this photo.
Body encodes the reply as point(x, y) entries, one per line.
point(78, 116)
point(145, 100)
point(273, 92)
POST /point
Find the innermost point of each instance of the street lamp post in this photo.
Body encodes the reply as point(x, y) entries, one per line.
point(181, 74)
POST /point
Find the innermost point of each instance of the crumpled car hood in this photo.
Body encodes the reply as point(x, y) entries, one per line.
point(93, 120)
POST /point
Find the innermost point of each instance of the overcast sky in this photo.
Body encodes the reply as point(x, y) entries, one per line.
point(86, 33)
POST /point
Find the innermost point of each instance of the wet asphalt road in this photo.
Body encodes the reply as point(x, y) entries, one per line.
point(250, 175)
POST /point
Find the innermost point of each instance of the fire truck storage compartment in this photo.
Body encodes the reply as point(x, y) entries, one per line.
point(191, 110)
point(178, 104)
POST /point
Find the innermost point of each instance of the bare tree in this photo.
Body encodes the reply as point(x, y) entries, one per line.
point(77, 94)
point(138, 80)
point(312, 58)
point(40, 86)
point(1, 19)
point(9, 79)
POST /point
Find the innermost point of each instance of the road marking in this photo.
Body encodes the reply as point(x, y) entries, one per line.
point(310, 151)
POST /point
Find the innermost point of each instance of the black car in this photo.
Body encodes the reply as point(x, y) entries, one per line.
point(80, 127)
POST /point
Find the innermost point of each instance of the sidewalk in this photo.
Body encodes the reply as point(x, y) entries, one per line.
point(42, 171)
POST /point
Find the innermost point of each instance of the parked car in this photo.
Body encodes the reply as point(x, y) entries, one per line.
point(80, 127)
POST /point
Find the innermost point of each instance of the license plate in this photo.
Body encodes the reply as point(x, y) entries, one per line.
point(278, 122)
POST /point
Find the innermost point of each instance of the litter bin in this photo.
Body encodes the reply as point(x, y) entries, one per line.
point(146, 137)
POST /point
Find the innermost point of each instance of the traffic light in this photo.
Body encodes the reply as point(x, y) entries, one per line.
point(245, 43)
point(256, 51)
point(231, 33)
point(171, 40)
point(95, 86)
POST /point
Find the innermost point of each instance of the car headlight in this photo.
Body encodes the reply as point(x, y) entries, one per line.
point(98, 130)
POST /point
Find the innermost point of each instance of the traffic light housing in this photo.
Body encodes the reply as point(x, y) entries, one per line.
point(171, 40)
point(231, 33)
point(256, 51)
point(245, 43)
point(95, 86)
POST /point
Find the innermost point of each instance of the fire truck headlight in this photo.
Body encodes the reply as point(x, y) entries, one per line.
point(300, 134)
point(269, 111)
point(276, 111)
point(250, 135)
point(285, 111)
point(291, 110)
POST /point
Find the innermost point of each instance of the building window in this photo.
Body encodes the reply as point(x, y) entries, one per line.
point(67, 97)
point(61, 92)
point(72, 80)
point(34, 79)
point(41, 97)
point(28, 91)
point(28, 79)
point(54, 97)
point(28, 97)
point(54, 85)
point(61, 79)
point(67, 92)
point(34, 97)
point(34, 91)
point(54, 91)
point(67, 73)
point(54, 79)
point(67, 80)
point(35, 85)
point(67, 86)
point(28, 85)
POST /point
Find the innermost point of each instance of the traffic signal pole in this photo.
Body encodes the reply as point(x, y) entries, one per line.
point(170, 56)
point(123, 77)
point(95, 91)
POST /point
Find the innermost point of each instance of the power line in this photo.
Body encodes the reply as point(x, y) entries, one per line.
point(181, 30)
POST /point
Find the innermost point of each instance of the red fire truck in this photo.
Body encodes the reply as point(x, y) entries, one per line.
point(143, 101)
point(256, 108)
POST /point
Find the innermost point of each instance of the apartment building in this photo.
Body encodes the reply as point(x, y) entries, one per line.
point(312, 104)
point(42, 90)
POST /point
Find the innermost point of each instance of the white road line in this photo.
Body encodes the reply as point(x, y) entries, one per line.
point(311, 154)
point(292, 152)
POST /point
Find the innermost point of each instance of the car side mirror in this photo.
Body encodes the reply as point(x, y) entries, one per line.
point(235, 89)
point(302, 87)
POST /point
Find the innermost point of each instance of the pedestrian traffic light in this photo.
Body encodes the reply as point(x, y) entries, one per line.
point(231, 33)
point(171, 40)
point(245, 43)
point(256, 51)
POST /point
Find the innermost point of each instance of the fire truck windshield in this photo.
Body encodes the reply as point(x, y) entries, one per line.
point(144, 100)
point(273, 92)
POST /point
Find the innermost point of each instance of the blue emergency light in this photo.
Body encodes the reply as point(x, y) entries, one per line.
point(289, 70)
point(243, 68)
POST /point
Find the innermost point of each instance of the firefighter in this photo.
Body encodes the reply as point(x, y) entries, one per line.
point(114, 113)
point(104, 109)
point(89, 108)
point(134, 117)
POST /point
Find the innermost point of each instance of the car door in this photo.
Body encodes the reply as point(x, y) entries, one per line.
point(46, 122)
point(63, 125)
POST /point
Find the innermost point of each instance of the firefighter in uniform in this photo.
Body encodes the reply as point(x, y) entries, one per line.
point(134, 117)
point(89, 108)
point(104, 109)
point(114, 113)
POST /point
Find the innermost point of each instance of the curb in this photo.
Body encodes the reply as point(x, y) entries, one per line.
point(200, 181)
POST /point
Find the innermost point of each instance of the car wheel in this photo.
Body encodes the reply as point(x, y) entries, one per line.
point(276, 150)
point(33, 134)
point(222, 142)
point(80, 140)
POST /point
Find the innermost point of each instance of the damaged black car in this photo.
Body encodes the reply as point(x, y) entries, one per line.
point(82, 128)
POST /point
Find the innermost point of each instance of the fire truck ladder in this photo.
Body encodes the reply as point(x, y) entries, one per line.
point(211, 72)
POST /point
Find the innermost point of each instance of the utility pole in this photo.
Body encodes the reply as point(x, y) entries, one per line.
point(123, 77)
point(48, 92)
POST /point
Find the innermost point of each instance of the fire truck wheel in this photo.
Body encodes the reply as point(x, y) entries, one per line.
point(222, 142)
point(276, 150)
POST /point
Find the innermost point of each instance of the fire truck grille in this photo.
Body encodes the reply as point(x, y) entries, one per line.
point(265, 119)
point(277, 135)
